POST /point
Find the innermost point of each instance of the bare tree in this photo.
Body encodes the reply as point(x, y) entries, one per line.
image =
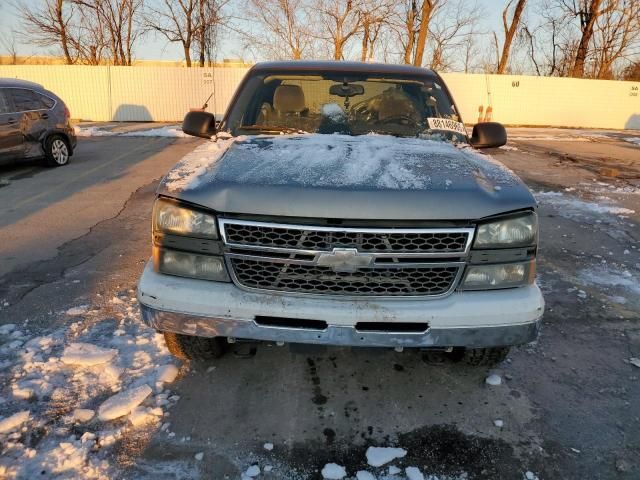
point(374, 16)
point(281, 23)
point(112, 22)
point(177, 21)
point(616, 36)
point(428, 7)
point(510, 30)
point(8, 42)
point(451, 29)
point(210, 19)
point(340, 21)
point(49, 25)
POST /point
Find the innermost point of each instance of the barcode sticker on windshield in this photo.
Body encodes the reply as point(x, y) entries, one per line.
point(446, 124)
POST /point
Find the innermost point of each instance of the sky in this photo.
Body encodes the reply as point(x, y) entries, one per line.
point(150, 48)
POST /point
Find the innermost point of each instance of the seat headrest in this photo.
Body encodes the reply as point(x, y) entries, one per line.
point(288, 99)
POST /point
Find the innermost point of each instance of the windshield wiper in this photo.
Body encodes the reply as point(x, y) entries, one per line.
point(270, 128)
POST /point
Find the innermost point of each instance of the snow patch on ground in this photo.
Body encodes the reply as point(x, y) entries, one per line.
point(571, 206)
point(53, 383)
point(634, 140)
point(605, 275)
point(166, 131)
point(493, 380)
point(172, 131)
point(92, 132)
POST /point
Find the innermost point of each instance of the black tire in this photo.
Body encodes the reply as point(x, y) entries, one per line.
point(187, 347)
point(56, 151)
point(485, 357)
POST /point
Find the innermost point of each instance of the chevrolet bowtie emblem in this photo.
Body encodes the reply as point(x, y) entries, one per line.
point(345, 260)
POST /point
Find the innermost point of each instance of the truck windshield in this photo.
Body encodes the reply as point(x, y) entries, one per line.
point(351, 105)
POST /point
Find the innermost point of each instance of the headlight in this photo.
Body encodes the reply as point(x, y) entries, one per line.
point(487, 277)
point(169, 217)
point(510, 232)
point(182, 264)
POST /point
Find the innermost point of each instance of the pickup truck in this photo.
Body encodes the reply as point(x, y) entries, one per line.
point(343, 203)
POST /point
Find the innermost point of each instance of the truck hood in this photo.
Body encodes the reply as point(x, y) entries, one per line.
point(366, 177)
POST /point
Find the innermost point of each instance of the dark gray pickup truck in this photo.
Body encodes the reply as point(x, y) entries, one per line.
point(344, 204)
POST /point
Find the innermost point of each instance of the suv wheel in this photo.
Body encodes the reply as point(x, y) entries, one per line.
point(187, 347)
point(485, 357)
point(56, 151)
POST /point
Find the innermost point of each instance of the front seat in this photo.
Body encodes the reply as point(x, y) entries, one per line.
point(288, 101)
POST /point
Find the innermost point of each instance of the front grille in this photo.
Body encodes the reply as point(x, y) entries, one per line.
point(310, 238)
point(346, 261)
point(287, 277)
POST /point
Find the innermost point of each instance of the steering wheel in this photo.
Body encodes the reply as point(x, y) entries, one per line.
point(401, 119)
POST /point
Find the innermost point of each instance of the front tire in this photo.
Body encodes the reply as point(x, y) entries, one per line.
point(56, 151)
point(187, 347)
point(485, 357)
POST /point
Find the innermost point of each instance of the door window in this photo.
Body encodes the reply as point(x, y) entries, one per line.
point(5, 107)
point(25, 100)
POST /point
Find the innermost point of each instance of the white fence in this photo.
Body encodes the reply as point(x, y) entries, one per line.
point(166, 93)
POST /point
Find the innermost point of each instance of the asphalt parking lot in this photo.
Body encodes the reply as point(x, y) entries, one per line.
point(569, 404)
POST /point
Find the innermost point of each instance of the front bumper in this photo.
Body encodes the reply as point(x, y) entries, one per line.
point(464, 319)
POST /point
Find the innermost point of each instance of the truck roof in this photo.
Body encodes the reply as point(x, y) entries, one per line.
point(342, 66)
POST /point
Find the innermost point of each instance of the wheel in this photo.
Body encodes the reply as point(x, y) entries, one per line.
point(56, 151)
point(485, 357)
point(187, 347)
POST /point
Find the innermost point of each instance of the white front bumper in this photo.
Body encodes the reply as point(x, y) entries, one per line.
point(199, 307)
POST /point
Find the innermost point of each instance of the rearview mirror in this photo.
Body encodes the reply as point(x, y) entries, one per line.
point(199, 124)
point(346, 89)
point(488, 135)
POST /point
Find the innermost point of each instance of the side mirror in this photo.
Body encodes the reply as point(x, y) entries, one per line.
point(488, 135)
point(199, 124)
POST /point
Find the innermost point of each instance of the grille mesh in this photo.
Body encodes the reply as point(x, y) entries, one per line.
point(372, 242)
point(432, 280)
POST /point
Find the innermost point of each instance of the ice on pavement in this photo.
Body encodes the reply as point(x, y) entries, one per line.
point(80, 310)
point(123, 403)
point(572, 207)
point(7, 328)
point(252, 471)
point(635, 361)
point(364, 475)
point(14, 421)
point(608, 276)
point(199, 456)
point(268, 446)
point(498, 423)
point(393, 470)
point(61, 399)
point(530, 476)
point(83, 415)
point(333, 471)
point(86, 354)
point(167, 373)
point(413, 473)
point(493, 380)
point(378, 456)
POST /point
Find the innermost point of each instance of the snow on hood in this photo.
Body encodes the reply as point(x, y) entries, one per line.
point(341, 176)
point(316, 160)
